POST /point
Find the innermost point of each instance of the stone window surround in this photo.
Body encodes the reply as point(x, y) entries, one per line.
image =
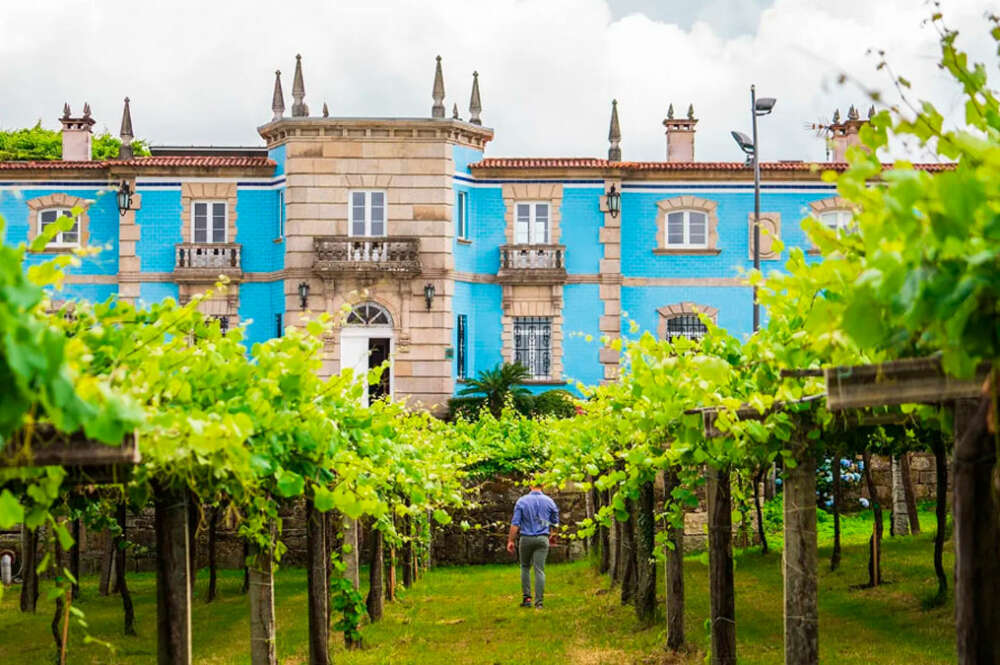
point(59, 200)
point(682, 309)
point(533, 192)
point(681, 203)
point(550, 307)
point(830, 204)
point(207, 191)
point(770, 230)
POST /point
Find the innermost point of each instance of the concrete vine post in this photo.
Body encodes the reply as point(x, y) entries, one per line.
point(800, 559)
point(722, 595)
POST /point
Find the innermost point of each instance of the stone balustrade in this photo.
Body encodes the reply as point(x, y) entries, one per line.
point(206, 261)
point(532, 264)
point(359, 255)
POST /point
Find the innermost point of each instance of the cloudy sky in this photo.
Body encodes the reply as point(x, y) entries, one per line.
point(201, 72)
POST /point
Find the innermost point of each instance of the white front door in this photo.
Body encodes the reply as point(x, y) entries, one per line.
point(355, 344)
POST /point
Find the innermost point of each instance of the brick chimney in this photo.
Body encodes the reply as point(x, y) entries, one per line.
point(76, 135)
point(845, 134)
point(680, 135)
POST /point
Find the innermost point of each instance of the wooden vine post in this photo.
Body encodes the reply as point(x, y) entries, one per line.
point(800, 557)
point(173, 586)
point(261, 595)
point(319, 628)
point(674, 572)
point(645, 597)
point(722, 594)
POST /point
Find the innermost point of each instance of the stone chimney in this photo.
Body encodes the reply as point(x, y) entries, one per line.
point(845, 134)
point(76, 135)
point(680, 135)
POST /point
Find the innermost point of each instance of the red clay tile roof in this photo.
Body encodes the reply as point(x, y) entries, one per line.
point(592, 163)
point(140, 162)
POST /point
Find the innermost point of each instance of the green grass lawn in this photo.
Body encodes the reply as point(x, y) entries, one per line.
point(468, 615)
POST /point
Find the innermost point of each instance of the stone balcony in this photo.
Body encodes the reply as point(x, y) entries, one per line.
point(205, 261)
point(532, 264)
point(366, 257)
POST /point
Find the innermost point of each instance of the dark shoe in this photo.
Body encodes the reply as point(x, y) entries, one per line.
point(538, 605)
point(526, 602)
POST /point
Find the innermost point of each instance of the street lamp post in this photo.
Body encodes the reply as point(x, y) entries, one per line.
point(758, 107)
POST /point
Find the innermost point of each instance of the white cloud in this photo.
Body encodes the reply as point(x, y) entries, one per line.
point(202, 72)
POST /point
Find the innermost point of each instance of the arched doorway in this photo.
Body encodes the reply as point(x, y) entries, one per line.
point(366, 341)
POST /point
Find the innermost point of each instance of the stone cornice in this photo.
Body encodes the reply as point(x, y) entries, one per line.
point(375, 129)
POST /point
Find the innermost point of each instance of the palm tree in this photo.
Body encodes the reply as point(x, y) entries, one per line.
point(497, 383)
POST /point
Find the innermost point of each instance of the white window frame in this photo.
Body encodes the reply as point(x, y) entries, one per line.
point(844, 219)
point(533, 207)
point(281, 214)
point(211, 203)
point(686, 244)
point(462, 215)
point(57, 240)
point(368, 213)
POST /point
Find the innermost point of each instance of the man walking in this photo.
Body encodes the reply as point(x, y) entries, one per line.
point(534, 515)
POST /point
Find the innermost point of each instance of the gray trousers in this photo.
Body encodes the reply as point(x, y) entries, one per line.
point(532, 551)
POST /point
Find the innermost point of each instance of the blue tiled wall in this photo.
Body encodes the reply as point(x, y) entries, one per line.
point(278, 155)
point(463, 156)
point(735, 303)
point(486, 231)
point(88, 292)
point(257, 229)
point(481, 303)
point(580, 226)
point(154, 292)
point(261, 301)
point(582, 310)
point(159, 222)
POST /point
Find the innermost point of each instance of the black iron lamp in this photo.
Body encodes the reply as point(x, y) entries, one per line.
point(614, 201)
point(124, 197)
point(303, 294)
point(428, 295)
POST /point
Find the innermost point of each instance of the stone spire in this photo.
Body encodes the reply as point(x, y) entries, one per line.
point(454, 112)
point(615, 134)
point(475, 105)
point(86, 110)
point(326, 110)
point(66, 112)
point(836, 116)
point(278, 99)
point(437, 110)
point(299, 108)
point(670, 112)
point(690, 111)
point(871, 111)
point(852, 113)
point(125, 134)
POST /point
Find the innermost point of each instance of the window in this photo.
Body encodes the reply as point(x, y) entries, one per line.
point(223, 322)
point(687, 228)
point(531, 225)
point(369, 314)
point(281, 215)
point(462, 216)
point(837, 220)
point(69, 238)
point(278, 328)
point(367, 213)
point(686, 325)
point(463, 342)
point(532, 344)
point(209, 221)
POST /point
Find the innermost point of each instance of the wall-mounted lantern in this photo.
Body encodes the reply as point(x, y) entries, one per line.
point(303, 294)
point(614, 201)
point(124, 198)
point(428, 295)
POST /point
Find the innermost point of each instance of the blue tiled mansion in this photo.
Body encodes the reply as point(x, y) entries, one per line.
point(427, 251)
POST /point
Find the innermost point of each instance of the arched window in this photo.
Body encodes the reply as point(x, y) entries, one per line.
point(837, 220)
point(369, 314)
point(686, 225)
point(681, 320)
point(835, 212)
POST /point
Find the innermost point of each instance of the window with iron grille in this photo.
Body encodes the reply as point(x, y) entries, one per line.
point(686, 325)
point(533, 344)
point(463, 337)
point(281, 215)
point(462, 215)
point(278, 329)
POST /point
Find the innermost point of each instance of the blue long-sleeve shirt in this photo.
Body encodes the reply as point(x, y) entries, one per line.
point(535, 513)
